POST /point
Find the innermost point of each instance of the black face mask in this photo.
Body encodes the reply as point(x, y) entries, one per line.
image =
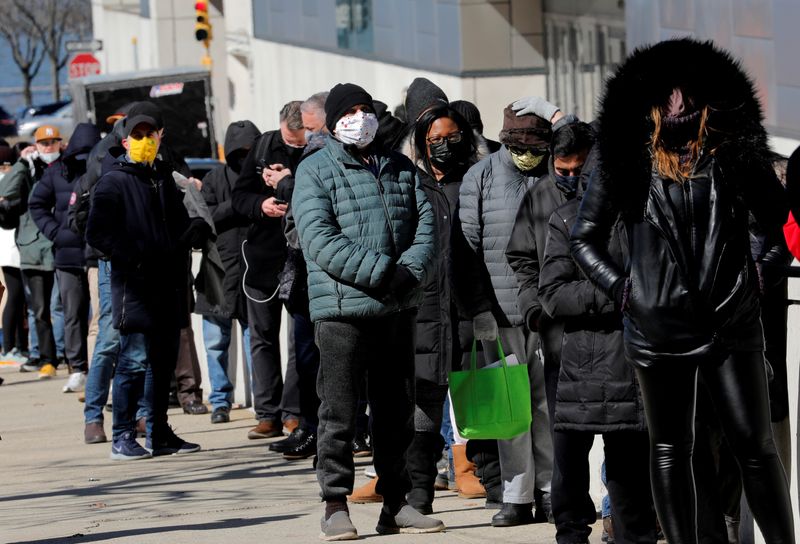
point(236, 159)
point(570, 183)
point(445, 156)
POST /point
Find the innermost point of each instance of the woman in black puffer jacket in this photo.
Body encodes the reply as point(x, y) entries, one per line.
point(684, 159)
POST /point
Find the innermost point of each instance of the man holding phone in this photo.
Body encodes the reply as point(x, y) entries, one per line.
point(261, 194)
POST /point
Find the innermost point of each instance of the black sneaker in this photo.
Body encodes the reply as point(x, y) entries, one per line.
point(361, 446)
point(31, 366)
point(290, 442)
point(170, 444)
point(221, 414)
point(304, 449)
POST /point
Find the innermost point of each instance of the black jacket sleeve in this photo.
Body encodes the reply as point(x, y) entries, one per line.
point(105, 224)
point(221, 209)
point(589, 239)
point(523, 257)
point(250, 191)
point(563, 291)
point(42, 203)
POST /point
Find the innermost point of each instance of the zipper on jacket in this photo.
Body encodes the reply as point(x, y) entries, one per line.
point(382, 190)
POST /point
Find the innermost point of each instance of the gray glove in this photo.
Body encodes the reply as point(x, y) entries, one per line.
point(535, 105)
point(484, 326)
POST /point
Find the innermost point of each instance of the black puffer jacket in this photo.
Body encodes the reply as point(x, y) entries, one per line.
point(230, 226)
point(597, 389)
point(692, 289)
point(51, 197)
point(453, 292)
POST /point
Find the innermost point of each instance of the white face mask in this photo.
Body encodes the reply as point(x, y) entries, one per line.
point(358, 129)
point(49, 157)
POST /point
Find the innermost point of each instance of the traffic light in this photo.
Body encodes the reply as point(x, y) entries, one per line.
point(202, 28)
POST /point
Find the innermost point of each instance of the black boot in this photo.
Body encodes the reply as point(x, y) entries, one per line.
point(487, 462)
point(421, 458)
point(544, 510)
point(512, 515)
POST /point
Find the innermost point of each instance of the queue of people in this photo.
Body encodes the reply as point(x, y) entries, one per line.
point(617, 260)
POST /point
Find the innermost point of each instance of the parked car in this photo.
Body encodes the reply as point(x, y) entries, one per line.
point(26, 112)
point(8, 125)
point(62, 118)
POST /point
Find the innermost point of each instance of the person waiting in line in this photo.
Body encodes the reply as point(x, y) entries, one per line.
point(685, 161)
point(367, 234)
point(601, 396)
point(231, 230)
point(36, 251)
point(137, 218)
point(48, 204)
point(15, 334)
point(491, 194)
point(266, 171)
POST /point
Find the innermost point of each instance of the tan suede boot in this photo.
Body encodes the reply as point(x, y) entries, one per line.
point(469, 486)
point(366, 493)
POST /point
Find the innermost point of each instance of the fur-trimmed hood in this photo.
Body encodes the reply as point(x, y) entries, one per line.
point(712, 77)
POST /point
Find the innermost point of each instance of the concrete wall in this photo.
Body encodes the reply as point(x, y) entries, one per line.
point(762, 33)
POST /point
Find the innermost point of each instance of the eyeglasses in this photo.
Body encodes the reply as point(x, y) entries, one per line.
point(454, 138)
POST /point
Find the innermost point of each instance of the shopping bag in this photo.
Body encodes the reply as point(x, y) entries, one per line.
point(492, 402)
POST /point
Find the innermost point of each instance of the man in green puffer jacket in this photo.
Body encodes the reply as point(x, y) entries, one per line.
point(366, 229)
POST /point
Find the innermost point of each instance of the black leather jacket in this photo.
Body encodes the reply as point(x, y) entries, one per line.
point(692, 289)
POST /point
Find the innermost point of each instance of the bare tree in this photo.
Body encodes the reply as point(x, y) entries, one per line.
point(26, 49)
point(54, 21)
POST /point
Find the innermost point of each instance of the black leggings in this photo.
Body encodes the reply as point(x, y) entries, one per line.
point(738, 387)
point(14, 333)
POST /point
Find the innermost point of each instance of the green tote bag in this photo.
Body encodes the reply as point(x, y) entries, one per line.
point(493, 402)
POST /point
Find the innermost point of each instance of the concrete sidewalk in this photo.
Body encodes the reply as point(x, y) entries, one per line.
point(56, 489)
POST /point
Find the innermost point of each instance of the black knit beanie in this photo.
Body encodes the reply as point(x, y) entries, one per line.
point(470, 112)
point(422, 95)
point(342, 97)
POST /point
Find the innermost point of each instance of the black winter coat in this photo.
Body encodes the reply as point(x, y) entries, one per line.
point(525, 253)
point(597, 389)
point(265, 251)
point(137, 218)
point(50, 199)
point(453, 292)
point(692, 288)
point(230, 226)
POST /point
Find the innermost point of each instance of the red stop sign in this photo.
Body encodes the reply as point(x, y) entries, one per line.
point(83, 64)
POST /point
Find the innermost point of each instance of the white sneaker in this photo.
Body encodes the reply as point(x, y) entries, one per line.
point(75, 383)
point(14, 357)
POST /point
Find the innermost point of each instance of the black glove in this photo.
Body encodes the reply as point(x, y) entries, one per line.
point(196, 235)
point(402, 281)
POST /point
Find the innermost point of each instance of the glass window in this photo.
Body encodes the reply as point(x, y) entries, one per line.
point(354, 29)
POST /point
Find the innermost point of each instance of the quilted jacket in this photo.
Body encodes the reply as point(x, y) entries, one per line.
point(355, 227)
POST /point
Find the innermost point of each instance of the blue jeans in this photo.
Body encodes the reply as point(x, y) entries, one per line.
point(217, 340)
point(447, 433)
point(145, 366)
point(104, 359)
point(33, 342)
point(57, 317)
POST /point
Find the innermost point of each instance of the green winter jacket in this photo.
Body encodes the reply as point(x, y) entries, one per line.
point(354, 228)
point(35, 250)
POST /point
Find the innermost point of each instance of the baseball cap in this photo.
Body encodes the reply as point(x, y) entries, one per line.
point(143, 112)
point(46, 132)
point(119, 113)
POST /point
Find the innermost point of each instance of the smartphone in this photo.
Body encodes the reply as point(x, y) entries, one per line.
point(279, 201)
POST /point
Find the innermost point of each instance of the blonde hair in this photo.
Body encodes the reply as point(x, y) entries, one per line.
point(667, 162)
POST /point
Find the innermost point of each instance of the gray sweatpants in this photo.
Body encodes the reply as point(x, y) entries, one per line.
point(526, 461)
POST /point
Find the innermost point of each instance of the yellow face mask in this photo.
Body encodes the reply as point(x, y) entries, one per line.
point(143, 150)
point(526, 161)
